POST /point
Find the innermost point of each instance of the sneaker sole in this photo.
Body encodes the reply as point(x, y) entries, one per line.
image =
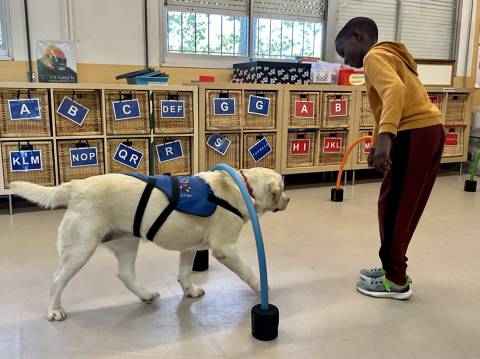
point(391, 295)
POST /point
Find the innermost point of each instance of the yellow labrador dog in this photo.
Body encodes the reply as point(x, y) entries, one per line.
point(118, 210)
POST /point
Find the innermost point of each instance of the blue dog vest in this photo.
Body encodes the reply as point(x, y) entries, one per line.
point(190, 195)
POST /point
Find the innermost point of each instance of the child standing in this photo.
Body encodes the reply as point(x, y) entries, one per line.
point(407, 147)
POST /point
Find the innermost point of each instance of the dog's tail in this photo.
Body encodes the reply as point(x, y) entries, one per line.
point(49, 197)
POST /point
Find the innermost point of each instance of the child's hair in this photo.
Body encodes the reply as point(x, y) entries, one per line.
point(359, 23)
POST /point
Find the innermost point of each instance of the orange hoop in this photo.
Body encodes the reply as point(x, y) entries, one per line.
point(345, 158)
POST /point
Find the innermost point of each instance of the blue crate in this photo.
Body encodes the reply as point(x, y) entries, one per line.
point(155, 77)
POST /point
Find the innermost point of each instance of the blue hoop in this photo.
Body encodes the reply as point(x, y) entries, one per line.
point(262, 264)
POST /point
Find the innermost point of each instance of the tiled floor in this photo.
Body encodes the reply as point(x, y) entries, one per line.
point(314, 251)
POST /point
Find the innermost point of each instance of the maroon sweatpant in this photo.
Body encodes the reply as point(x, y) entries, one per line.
point(404, 194)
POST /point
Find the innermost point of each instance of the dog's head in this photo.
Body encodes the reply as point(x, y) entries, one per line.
point(268, 189)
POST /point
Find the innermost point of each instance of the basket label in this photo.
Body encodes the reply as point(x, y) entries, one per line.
point(258, 105)
point(24, 109)
point(83, 157)
point(219, 143)
point(24, 161)
point(126, 109)
point(332, 145)
point(170, 151)
point(304, 109)
point(73, 111)
point(338, 108)
point(172, 108)
point(433, 99)
point(451, 139)
point(259, 150)
point(128, 156)
point(300, 147)
point(224, 107)
point(367, 146)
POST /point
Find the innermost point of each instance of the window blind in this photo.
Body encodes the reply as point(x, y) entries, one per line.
point(297, 10)
point(223, 7)
point(427, 27)
point(383, 12)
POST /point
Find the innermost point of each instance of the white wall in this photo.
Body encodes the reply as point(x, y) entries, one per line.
point(104, 31)
point(111, 31)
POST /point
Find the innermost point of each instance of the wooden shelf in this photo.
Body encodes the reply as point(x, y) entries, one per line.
point(104, 137)
point(203, 131)
point(200, 132)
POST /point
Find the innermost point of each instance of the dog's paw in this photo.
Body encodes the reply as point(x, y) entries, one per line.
point(150, 297)
point(194, 293)
point(56, 315)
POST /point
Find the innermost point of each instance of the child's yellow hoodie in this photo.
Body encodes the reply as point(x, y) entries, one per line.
point(397, 98)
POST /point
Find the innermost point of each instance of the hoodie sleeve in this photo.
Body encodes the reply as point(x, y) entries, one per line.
point(383, 77)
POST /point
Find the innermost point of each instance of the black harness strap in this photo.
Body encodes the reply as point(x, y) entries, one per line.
point(142, 205)
point(167, 211)
point(224, 204)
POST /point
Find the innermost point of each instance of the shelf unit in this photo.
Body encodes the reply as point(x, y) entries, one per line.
point(279, 130)
point(319, 128)
point(239, 131)
point(104, 137)
point(445, 95)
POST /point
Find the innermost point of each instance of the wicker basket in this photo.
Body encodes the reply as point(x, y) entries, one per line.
point(92, 125)
point(304, 122)
point(231, 158)
point(136, 126)
point(254, 121)
point(366, 115)
point(178, 167)
point(332, 158)
point(218, 123)
point(269, 161)
point(139, 144)
point(301, 160)
point(363, 150)
point(24, 128)
point(456, 106)
point(437, 99)
point(65, 169)
point(173, 125)
point(335, 121)
point(454, 148)
point(44, 177)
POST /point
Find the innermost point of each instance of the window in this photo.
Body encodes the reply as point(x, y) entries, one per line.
point(435, 21)
point(3, 30)
point(285, 29)
point(285, 39)
point(282, 29)
point(207, 34)
point(426, 27)
point(207, 27)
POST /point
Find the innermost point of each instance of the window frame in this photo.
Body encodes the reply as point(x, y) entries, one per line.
point(6, 32)
point(329, 32)
point(332, 29)
point(171, 59)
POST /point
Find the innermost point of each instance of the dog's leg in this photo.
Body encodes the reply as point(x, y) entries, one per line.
point(229, 257)
point(75, 249)
point(184, 270)
point(125, 249)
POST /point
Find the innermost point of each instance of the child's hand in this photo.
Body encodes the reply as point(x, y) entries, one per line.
point(381, 158)
point(370, 157)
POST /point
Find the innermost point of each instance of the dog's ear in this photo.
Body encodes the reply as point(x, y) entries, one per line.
point(273, 188)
